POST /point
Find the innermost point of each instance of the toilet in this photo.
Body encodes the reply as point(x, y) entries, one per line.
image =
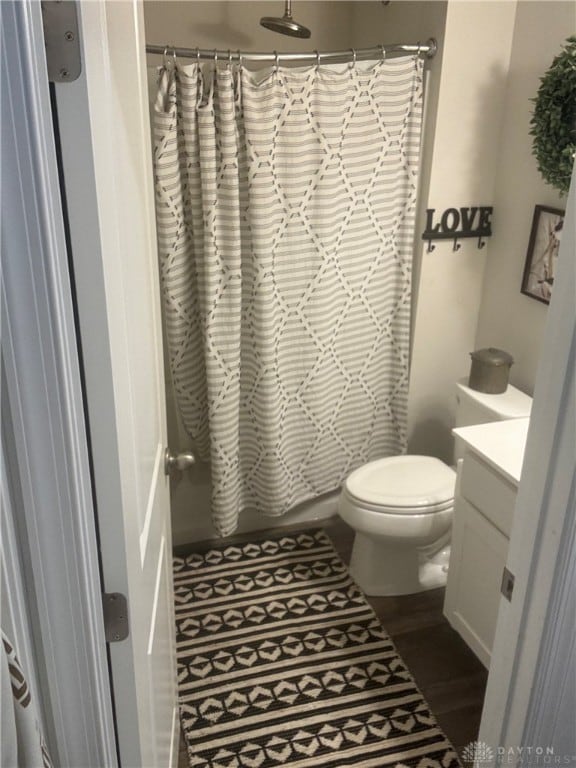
point(401, 507)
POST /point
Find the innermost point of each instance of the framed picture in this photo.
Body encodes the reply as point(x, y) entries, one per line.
point(540, 267)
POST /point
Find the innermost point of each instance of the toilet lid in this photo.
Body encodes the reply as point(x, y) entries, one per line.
point(403, 481)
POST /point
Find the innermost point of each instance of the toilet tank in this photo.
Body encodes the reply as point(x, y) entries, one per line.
point(474, 407)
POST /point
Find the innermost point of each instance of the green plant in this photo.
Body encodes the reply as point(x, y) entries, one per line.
point(553, 123)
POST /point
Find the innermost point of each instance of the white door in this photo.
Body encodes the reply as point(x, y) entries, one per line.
point(106, 158)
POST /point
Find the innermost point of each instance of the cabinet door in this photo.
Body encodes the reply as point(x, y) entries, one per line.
point(477, 559)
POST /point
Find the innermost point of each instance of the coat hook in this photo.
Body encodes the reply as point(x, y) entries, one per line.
point(457, 245)
point(481, 242)
point(430, 247)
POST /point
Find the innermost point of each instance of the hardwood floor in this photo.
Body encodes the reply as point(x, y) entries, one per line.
point(447, 672)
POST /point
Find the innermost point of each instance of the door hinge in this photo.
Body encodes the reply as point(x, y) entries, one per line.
point(507, 586)
point(116, 626)
point(62, 40)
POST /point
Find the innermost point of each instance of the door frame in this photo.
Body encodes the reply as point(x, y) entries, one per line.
point(49, 452)
point(532, 634)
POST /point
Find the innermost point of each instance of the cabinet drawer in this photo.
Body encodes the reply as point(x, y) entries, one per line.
point(489, 492)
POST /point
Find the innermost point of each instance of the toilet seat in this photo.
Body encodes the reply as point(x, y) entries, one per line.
point(402, 485)
point(384, 510)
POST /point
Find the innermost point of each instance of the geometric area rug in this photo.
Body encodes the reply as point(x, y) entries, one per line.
point(281, 661)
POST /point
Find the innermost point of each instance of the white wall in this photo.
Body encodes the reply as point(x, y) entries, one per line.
point(235, 24)
point(477, 45)
point(508, 319)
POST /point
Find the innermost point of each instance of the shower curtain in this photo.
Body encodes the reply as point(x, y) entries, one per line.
point(285, 211)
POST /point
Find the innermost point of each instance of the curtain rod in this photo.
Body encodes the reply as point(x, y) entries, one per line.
point(429, 49)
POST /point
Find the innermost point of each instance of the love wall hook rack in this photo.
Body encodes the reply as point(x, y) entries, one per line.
point(458, 223)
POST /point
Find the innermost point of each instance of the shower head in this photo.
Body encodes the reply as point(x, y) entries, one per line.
point(286, 25)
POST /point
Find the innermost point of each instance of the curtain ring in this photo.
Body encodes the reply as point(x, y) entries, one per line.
point(229, 57)
point(317, 60)
point(215, 56)
point(199, 84)
point(383, 51)
point(353, 57)
point(276, 61)
point(168, 63)
point(416, 61)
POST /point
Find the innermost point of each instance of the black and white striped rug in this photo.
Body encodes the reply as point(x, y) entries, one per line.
point(281, 661)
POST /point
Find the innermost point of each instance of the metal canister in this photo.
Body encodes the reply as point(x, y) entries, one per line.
point(490, 370)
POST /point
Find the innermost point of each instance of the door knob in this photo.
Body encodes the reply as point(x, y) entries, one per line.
point(179, 462)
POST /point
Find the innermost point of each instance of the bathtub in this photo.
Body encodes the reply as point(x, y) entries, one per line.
point(191, 520)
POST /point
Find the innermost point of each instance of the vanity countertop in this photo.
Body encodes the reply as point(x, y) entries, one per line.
point(500, 443)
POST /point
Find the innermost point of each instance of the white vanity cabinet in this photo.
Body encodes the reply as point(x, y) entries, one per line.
point(486, 487)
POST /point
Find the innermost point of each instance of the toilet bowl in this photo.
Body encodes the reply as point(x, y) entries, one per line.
point(401, 509)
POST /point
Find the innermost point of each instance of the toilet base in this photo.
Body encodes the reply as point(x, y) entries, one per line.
point(382, 569)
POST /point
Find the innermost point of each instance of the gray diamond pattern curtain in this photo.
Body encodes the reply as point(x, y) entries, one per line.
point(285, 211)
